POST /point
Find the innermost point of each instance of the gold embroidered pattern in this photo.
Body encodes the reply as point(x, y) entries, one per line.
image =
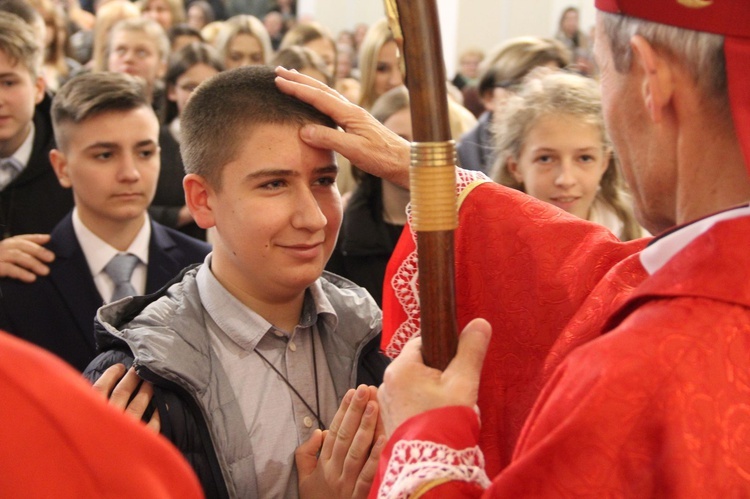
point(696, 4)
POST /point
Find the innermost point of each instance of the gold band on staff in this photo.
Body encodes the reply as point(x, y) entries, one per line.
point(433, 186)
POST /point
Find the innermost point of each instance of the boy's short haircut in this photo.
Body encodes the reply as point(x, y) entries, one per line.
point(19, 43)
point(91, 94)
point(224, 111)
point(150, 28)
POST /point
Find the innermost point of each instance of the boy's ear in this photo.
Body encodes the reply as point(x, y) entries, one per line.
point(199, 197)
point(60, 165)
point(39, 87)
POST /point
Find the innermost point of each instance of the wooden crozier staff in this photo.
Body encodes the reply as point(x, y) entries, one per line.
point(416, 28)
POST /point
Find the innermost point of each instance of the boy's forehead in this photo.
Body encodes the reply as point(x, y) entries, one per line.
point(10, 65)
point(288, 131)
point(107, 126)
point(264, 143)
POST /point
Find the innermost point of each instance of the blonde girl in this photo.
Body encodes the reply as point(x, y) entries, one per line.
point(165, 12)
point(379, 64)
point(244, 41)
point(553, 146)
point(315, 37)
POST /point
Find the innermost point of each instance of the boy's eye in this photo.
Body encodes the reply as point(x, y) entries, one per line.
point(147, 153)
point(326, 181)
point(104, 155)
point(8, 83)
point(142, 53)
point(273, 184)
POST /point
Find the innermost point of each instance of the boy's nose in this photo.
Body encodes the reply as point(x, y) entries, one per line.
point(128, 170)
point(307, 213)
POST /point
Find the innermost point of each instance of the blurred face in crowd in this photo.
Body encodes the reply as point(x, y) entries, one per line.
point(470, 66)
point(325, 49)
point(134, 53)
point(244, 50)
point(387, 71)
point(187, 83)
point(569, 23)
point(159, 11)
point(196, 18)
point(183, 40)
point(562, 161)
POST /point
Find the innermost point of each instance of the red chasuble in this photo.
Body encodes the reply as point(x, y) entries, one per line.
point(628, 385)
point(529, 278)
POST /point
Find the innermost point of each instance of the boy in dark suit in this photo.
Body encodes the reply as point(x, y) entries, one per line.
point(26, 139)
point(108, 154)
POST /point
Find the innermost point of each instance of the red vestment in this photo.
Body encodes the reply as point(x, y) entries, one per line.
point(60, 439)
point(659, 405)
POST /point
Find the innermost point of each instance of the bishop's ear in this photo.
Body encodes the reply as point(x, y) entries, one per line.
point(199, 197)
point(657, 77)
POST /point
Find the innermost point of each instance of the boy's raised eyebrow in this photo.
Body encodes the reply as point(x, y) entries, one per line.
point(271, 172)
point(333, 168)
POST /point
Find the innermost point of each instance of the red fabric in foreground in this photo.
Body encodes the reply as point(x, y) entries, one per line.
point(60, 439)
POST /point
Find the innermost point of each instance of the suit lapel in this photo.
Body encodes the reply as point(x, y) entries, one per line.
point(162, 262)
point(72, 278)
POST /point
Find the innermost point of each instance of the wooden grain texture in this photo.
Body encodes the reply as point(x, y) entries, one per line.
point(425, 78)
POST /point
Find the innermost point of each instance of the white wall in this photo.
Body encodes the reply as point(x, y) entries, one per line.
point(464, 24)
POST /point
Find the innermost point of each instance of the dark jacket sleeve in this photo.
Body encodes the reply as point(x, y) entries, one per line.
point(372, 364)
point(105, 360)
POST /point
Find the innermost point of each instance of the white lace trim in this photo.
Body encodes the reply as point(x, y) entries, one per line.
point(414, 462)
point(404, 281)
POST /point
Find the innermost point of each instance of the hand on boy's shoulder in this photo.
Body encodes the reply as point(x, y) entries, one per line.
point(24, 258)
point(127, 392)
